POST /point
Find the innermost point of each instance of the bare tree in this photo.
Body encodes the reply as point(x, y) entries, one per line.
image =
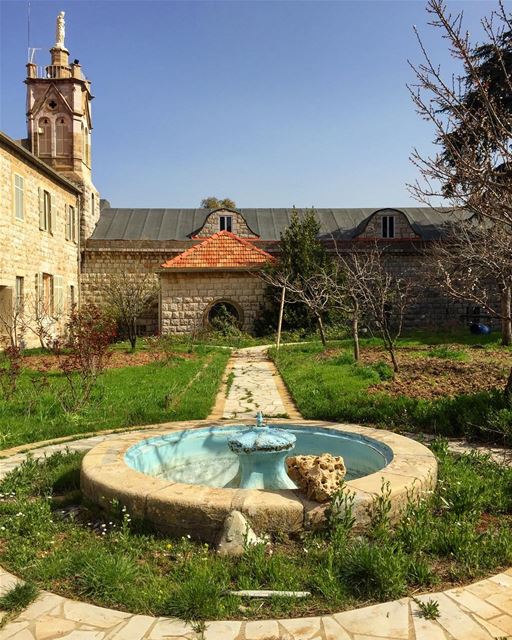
point(128, 296)
point(471, 116)
point(313, 291)
point(473, 263)
point(368, 288)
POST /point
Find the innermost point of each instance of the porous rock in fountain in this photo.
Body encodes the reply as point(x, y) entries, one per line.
point(319, 477)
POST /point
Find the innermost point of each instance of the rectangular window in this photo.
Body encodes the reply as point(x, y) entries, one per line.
point(226, 223)
point(47, 294)
point(45, 211)
point(19, 189)
point(71, 223)
point(20, 287)
point(58, 295)
point(388, 226)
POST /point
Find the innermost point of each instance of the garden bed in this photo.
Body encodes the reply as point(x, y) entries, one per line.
point(181, 386)
point(449, 389)
point(51, 537)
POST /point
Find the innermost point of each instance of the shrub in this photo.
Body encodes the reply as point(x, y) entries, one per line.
point(83, 354)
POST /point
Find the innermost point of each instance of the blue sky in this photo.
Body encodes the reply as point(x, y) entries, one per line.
point(272, 103)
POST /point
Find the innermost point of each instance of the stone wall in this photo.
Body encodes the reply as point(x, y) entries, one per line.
point(374, 227)
point(26, 251)
point(186, 298)
point(212, 225)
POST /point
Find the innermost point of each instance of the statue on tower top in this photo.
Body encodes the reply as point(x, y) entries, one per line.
point(60, 32)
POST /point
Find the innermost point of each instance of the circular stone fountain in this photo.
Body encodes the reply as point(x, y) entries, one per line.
point(186, 478)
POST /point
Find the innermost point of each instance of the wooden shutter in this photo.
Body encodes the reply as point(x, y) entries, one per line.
point(58, 292)
point(41, 207)
point(50, 215)
point(67, 212)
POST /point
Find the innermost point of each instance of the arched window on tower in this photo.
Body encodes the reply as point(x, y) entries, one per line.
point(45, 137)
point(62, 138)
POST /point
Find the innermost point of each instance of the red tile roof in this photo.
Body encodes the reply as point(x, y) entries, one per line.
point(223, 250)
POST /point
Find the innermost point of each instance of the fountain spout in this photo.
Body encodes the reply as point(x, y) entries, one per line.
point(260, 421)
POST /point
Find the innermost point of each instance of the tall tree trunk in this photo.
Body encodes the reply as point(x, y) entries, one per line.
point(506, 316)
point(321, 330)
point(132, 333)
point(355, 335)
point(508, 388)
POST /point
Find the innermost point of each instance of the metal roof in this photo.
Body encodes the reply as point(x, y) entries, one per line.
point(268, 224)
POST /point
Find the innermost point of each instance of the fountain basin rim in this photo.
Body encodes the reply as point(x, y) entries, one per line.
point(178, 508)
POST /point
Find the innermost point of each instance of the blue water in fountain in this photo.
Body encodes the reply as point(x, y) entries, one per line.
point(202, 456)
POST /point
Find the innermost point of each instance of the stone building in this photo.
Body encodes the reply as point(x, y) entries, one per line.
point(49, 205)
point(59, 244)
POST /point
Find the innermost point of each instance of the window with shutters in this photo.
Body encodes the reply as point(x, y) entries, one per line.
point(20, 293)
point(45, 211)
point(47, 293)
point(45, 137)
point(19, 197)
point(58, 295)
point(388, 226)
point(71, 223)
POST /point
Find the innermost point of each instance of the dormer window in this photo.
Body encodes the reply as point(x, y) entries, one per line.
point(225, 223)
point(388, 226)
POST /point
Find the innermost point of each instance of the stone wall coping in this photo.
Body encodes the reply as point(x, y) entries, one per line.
point(179, 508)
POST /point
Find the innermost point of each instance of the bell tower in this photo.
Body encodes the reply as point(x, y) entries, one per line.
point(59, 123)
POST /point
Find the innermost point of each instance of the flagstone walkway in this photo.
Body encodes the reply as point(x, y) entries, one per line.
point(256, 386)
point(480, 611)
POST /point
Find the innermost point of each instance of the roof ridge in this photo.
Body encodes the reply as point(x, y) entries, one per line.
point(201, 246)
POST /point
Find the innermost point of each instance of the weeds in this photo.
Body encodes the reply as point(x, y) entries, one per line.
point(429, 609)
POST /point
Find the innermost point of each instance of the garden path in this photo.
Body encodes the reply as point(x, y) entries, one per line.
point(480, 611)
point(256, 386)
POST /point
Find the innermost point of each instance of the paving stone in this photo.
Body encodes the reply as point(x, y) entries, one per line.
point(502, 600)
point(222, 630)
point(460, 625)
point(20, 635)
point(494, 629)
point(7, 581)
point(83, 612)
point(167, 628)
point(426, 629)
point(45, 603)
point(79, 634)
point(14, 628)
point(473, 603)
point(262, 630)
point(502, 579)
point(136, 627)
point(302, 628)
point(332, 630)
point(49, 627)
point(391, 619)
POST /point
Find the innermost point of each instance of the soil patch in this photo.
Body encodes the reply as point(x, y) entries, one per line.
point(118, 360)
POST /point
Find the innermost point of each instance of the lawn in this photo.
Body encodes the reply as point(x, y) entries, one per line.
point(52, 539)
point(448, 385)
point(179, 386)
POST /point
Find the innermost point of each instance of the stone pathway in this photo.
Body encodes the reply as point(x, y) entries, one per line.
point(256, 386)
point(480, 611)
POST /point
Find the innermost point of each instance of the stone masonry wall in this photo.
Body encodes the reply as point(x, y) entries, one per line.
point(25, 250)
point(212, 225)
point(186, 297)
point(402, 227)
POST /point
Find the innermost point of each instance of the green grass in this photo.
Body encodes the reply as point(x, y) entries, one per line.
point(336, 389)
point(459, 533)
point(19, 597)
point(157, 392)
point(445, 353)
